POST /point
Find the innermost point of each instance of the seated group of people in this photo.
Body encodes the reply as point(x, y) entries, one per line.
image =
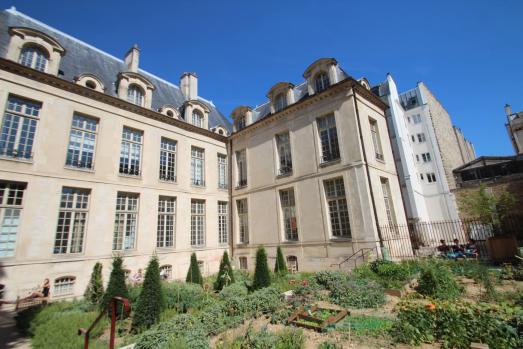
point(43, 292)
point(457, 250)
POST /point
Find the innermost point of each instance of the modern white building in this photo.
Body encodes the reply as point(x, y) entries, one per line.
point(427, 147)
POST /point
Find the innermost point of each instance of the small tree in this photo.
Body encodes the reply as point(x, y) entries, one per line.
point(116, 286)
point(225, 274)
point(151, 300)
point(488, 207)
point(193, 274)
point(262, 277)
point(280, 267)
point(95, 289)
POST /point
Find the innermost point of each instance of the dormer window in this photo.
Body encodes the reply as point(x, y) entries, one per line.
point(169, 113)
point(197, 118)
point(91, 84)
point(321, 82)
point(280, 102)
point(242, 117)
point(90, 81)
point(135, 95)
point(34, 57)
point(241, 122)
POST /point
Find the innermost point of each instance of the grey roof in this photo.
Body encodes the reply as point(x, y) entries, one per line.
point(81, 58)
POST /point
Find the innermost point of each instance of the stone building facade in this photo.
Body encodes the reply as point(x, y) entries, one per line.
point(514, 127)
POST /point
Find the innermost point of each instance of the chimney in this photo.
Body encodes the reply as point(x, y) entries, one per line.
point(132, 58)
point(508, 110)
point(189, 85)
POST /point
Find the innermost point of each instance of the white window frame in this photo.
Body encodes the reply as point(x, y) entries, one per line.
point(11, 205)
point(242, 209)
point(376, 141)
point(280, 102)
point(168, 268)
point(83, 134)
point(197, 223)
point(136, 95)
point(126, 218)
point(223, 222)
point(168, 157)
point(197, 118)
point(131, 152)
point(38, 59)
point(288, 213)
point(241, 168)
point(337, 208)
point(328, 138)
point(321, 81)
point(197, 166)
point(431, 177)
point(426, 157)
point(388, 202)
point(63, 286)
point(73, 214)
point(222, 171)
point(166, 226)
point(421, 137)
point(284, 152)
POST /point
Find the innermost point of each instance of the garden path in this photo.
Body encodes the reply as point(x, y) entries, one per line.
point(9, 336)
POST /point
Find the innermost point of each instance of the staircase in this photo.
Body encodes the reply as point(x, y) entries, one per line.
point(362, 255)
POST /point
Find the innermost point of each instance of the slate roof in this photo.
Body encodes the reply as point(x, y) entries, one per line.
point(81, 58)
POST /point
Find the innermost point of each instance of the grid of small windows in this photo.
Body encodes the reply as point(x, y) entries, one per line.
point(135, 95)
point(33, 57)
point(197, 166)
point(387, 199)
point(280, 102)
point(338, 210)
point(322, 81)
point(243, 224)
point(197, 223)
point(329, 138)
point(80, 151)
point(11, 198)
point(166, 221)
point(222, 171)
point(288, 207)
point(19, 127)
point(376, 139)
point(72, 220)
point(197, 118)
point(431, 177)
point(223, 234)
point(421, 137)
point(168, 160)
point(241, 167)
point(64, 286)
point(426, 157)
point(131, 152)
point(283, 145)
point(125, 221)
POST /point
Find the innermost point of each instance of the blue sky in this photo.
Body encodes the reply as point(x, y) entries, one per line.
point(469, 53)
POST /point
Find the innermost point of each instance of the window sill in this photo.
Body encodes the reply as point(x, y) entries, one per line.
point(283, 175)
point(380, 160)
point(139, 177)
point(290, 242)
point(197, 247)
point(81, 169)
point(242, 244)
point(329, 163)
point(67, 255)
point(197, 186)
point(334, 239)
point(223, 188)
point(10, 158)
point(166, 249)
point(126, 251)
point(167, 182)
point(238, 187)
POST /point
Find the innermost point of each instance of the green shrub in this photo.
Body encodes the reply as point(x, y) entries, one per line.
point(234, 290)
point(182, 296)
point(116, 286)
point(457, 324)
point(264, 339)
point(437, 281)
point(329, 278)
point(151, 300)
point(225, 274)
point(216, 320)
point(264, 301)
point(280, 267)
point(194, 274)
point(290, 339)
point(365, 326)
point(388, 274)
point(134, 293)
point(330, 345)
point(95, 289)
point(181, 328)
point(358, 293)
point(262, 277)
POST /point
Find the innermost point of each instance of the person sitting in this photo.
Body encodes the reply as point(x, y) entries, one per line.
point(443, 248)
point(42, 293)
point(457, 250)
point(471, 251)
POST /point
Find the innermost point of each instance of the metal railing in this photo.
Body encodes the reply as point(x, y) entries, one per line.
point(356, 256)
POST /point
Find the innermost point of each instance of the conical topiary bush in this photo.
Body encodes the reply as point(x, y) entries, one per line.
point(151, 300)
point(280, 268)
point(262, 277)
point(95, 289)
point(193, 274)
point(225, 274)
point(116, 286)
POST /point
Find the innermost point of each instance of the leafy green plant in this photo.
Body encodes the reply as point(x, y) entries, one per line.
point(262, 277)
point(330, 345)
point(194, 274)
point(151, 300)
point(437, 281)
point(95, 289)
point(290, 339)
point(183, 296)
point(329, 278)
point(365, 326)
point(358, 293)
point(280, 267)
point(116, 286)
point(225, 275)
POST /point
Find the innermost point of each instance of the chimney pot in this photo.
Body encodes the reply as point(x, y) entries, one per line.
point(132, 58)
point(508, 110)
point(189, 85)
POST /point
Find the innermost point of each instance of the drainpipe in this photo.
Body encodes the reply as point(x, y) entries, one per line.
point(367, 169)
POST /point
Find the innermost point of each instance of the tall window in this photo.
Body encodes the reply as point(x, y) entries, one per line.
point(241, 167)
point(243, 263)
point(135, 95)
point(197, 118)
point(243, 223)
point(197, 223)
point(280, 102)
point(288, 207)
point(387, 199)
point(421, 137)
point(166, 221)
point(416, 118)
point(321, 82)
point(283, 145)
point(376, 139)
point(223, 235)
point(168, 160)
point(329, 138)
point(222, 171)
point(72, 221)
point(241, 123)
point(125, 221)
point(131, 152)
point(431, 177)
point(80, 152)
point(338, 211)
point(19, 127)
point(64, 286)
point(426, 157)
point(34, 57)
point(11, 199)
point(197, 166)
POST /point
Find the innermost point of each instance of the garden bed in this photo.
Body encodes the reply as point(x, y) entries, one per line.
point(316, 318)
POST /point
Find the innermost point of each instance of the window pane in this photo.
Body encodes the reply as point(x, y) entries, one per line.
point(19, 127)
point(166, 221)
point(131, 152)
point(11, 196)
point(125, 221)
point(337, 206)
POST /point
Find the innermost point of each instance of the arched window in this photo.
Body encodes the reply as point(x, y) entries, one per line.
point(166, 272)
point(321, 82)
point(170, 113)
point(220, 131)
point(292, 263)
point(91, 84)
point(34, 57)
point(64, 286)
point(197, 118)
point(135, 95)
point(280, 102)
